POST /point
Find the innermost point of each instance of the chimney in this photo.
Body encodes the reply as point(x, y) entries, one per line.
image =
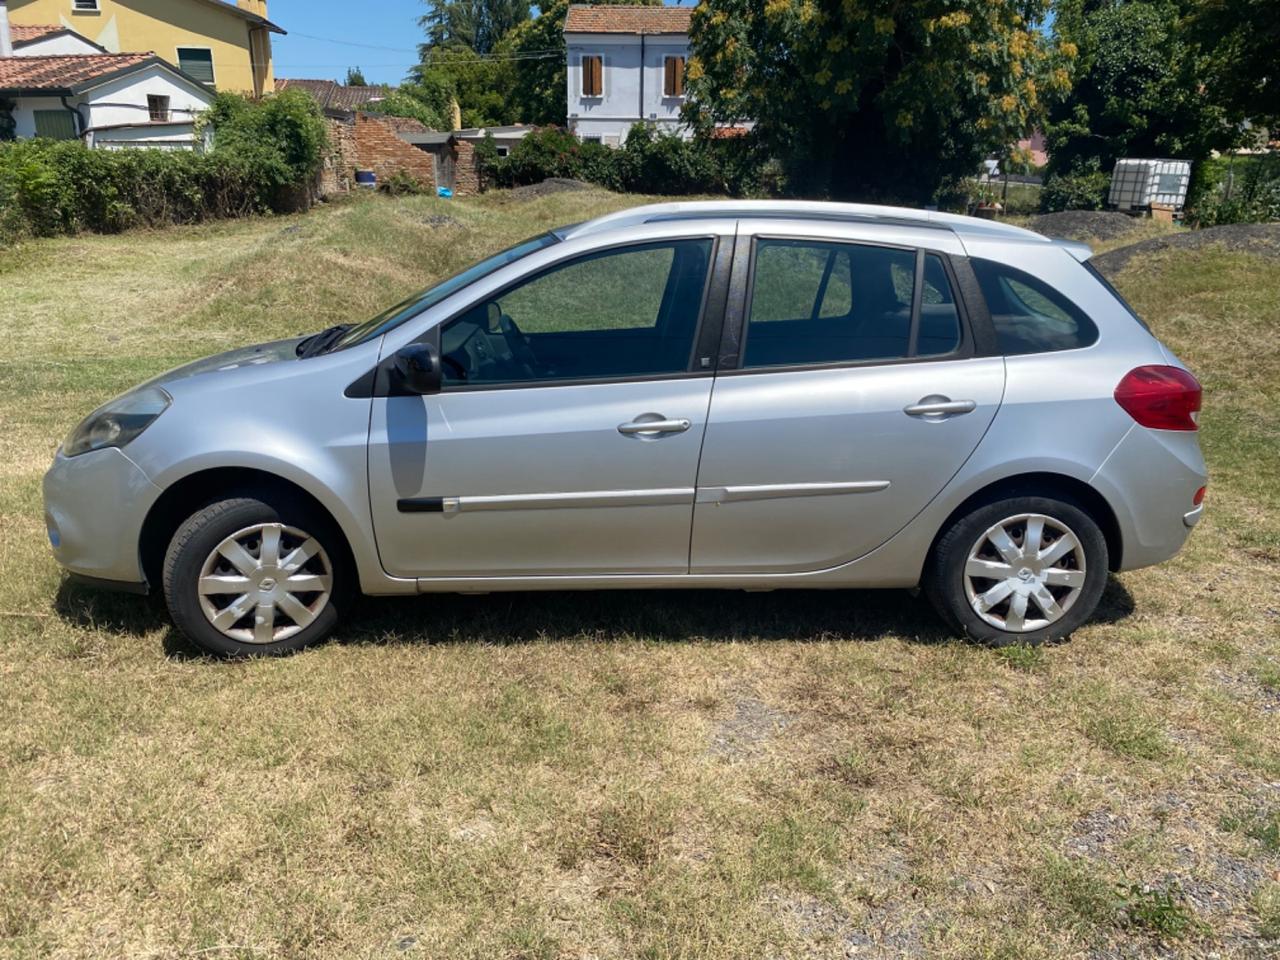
point(254, 6)
point(6, 43)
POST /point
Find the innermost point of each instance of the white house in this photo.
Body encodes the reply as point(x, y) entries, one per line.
point(626, 65)
point(54, 83)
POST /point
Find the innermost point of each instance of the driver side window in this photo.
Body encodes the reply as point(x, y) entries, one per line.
point(619, 313)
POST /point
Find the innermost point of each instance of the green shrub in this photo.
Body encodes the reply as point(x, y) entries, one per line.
point(403, 184)
point(1244, 191)
point(264, 155)
point(1074, 191)
point(649, 162)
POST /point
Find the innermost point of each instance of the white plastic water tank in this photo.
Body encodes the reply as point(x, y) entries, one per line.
point(1137, 184)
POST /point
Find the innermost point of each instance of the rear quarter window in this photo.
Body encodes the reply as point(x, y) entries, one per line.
point(1030, 316)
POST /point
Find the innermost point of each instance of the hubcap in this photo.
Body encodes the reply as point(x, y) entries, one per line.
point(1024, 573)
point(265, 583)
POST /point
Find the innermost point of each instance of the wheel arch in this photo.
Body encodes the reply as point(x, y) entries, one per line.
point(188, 494)
point(1046, 484)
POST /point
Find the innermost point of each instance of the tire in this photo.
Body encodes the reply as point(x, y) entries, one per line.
point(282, 609)
point(1068, 571)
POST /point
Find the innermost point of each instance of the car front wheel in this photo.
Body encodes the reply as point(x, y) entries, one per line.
point(243, 577)
point(1020, 570)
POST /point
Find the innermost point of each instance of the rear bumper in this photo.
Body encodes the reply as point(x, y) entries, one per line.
point(114, 586)
point(94, 507)
point(1151, 479)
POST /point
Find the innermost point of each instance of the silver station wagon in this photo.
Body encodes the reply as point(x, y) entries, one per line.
point(746, 395)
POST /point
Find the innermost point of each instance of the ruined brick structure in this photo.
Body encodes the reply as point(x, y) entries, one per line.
point(369, 142)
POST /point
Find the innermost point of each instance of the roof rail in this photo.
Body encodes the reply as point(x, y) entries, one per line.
point(799, 210)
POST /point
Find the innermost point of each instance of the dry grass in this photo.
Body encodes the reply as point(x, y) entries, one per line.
point(650, 775)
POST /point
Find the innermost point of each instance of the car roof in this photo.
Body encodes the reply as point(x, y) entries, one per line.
point(961, 226)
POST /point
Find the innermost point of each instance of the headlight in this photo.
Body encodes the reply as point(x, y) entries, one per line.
point(117, 423)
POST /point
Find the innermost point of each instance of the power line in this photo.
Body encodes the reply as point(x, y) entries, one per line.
point(352, 43)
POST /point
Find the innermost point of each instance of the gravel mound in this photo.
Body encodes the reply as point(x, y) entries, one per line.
point(1083, 225)
point(1262, 239)
point(548, 187)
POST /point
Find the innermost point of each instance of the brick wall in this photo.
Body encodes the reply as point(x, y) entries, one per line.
point(466, 176)
point(380, 150)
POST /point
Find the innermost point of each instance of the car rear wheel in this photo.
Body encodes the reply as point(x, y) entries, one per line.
point(243, 577)
point(1020, 570)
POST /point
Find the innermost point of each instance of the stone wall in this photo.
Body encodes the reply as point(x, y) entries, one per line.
point(337, 175)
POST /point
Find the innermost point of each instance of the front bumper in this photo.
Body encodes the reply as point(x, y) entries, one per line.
point(94, 508)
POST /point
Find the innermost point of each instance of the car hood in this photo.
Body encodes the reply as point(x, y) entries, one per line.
point(255, 356)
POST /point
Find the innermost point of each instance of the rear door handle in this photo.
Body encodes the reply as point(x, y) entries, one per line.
point(653, 427)
point(938, 407)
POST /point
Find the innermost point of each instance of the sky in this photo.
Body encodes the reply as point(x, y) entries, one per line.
point(327, 36)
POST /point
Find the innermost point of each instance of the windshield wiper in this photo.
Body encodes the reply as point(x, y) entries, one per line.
point(320, 342)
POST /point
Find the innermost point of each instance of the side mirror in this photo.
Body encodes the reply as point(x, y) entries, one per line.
point(419, 367)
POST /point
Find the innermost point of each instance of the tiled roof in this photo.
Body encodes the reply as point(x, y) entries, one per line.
point(618, 18)
point(319, 89)
point(26, 34)
point(58, 73)
point(351, 98)
point(331, 95)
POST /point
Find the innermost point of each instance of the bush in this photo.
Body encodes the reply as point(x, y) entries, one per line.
point(403, 184)
point(649, 162)
point(1074, 191)
point(1245, 191)
point(264, 155)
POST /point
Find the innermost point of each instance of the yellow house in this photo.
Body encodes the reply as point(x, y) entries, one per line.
point(222, 44)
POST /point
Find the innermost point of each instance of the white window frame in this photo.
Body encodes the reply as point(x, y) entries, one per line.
point(213, 66)
point(665, 58)
point(85, 6)
point(582, 77)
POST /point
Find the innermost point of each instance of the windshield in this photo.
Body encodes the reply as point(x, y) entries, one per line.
point(391, 318)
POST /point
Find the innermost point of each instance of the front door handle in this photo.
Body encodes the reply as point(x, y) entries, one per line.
point(936, 407)
point(647, 428)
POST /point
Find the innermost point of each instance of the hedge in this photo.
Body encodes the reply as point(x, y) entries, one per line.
point(264, 156)
point(649, 162)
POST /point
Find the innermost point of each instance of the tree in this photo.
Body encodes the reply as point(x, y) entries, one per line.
point(538, 51)
point(428, 100)
point(874, 98)
point(355, 77)
point(480, 84)
point(1140, 91)
point(1240, 40)
point(476, 24)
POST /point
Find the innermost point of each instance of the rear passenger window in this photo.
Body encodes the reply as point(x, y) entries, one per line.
point(815, 302)
point(939, 318)
point(1029, 315)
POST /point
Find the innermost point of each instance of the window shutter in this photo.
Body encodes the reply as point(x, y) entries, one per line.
point(669, 77)
point(55, 124)
point(677, 70)
point(198, 64)
point(592, 76)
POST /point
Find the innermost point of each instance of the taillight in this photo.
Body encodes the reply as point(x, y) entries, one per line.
point(1198, 498)
point(1160, 397)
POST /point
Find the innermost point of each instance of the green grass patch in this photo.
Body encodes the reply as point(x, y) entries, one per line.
point(664, 774)
point(1262, 825)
